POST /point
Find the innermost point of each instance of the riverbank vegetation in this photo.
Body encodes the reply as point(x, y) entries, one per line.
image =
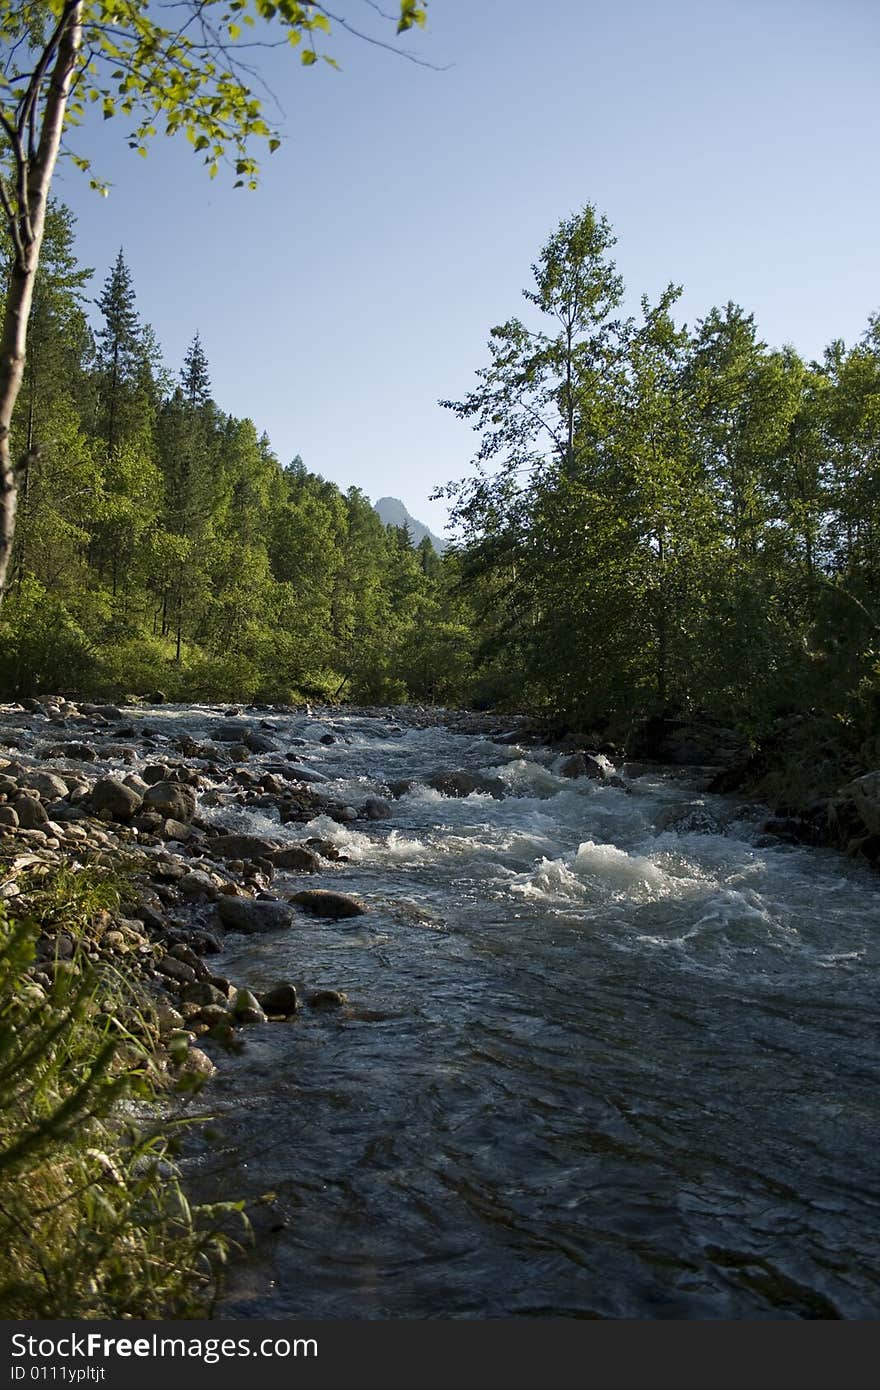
point(667, 519)
point(93, 1220)
point(662, 518)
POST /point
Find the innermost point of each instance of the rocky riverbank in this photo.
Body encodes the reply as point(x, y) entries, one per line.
point(102, 785)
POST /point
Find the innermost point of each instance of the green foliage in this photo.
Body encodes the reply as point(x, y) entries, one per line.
point(93, 1220)
point(41, 646)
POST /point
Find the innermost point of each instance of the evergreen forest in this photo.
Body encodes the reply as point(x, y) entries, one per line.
point(660, 518)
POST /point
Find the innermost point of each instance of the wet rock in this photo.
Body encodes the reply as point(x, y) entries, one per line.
point(308, 774)
point(695, 819)
point(253, 915)
point(113, 796)
point(297, 858)
point(864, 792)
point(197, 882)
point(326, 999)
point(322, 902)
point(202, 993)
point(109, 712)
point(593, 765)
point(326, 849)
point(241, 847)
point(374, 808)
point(246, 1007)
point(171, 800)
point(460, 784)
point(196, 1065)
point(399, 786)
point(79, 752)
point(281, 999)
point(259, 743)
point(230, 731)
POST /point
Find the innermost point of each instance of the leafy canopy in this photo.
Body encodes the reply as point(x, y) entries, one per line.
point(182, 67)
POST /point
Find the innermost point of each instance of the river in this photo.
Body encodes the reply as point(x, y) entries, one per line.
point(608, 1052)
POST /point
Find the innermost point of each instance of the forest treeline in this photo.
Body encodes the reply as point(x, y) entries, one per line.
point(673, 520)
point(160, 546)
point(660, 519)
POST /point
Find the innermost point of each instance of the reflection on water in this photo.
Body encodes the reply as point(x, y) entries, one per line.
point(592, 1066)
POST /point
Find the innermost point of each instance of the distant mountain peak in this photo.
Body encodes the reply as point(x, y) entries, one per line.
point(392, 512)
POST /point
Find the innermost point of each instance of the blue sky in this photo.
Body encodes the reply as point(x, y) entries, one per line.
point(732, 144)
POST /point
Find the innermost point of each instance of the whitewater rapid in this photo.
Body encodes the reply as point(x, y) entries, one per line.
point(609, 1051)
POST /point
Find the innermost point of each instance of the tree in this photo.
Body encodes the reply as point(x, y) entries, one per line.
point(187, 75)
point(119, 343)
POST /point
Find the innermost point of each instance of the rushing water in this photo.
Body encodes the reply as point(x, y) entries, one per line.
point(591, 1066)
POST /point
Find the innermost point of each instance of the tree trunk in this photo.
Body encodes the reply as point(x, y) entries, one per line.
point(26, 216)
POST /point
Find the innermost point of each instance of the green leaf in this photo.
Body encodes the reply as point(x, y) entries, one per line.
point(308, 57)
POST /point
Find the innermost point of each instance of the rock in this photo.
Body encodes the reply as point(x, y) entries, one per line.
point(296, 857)
point(280, 999)
point(196, 882)
point(246, 1007)
point(176, 970)
point(212, 1015)
point(31, 813)
point(230, 731)
point(46, 783)
point(400, 786)
point(374, 808)
point(201, 992)
point(253, 915)
point(241, 847)
point(196, 1065)
point(171, 800)
point(8, 819)
point(321, 902)
point(79, 752)
point(174, 830)
point(461, 784)
point(137, 784)
point(593, 765)
point(326, 999)
point(109, 794)
point(301, 773)
point(326, 849)
point(864, 792)
point(109, 712)
point(259, 743)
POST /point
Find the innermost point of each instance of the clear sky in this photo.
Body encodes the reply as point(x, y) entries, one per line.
point(734, 146)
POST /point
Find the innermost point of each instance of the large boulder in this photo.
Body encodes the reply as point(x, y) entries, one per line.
point(46, 783)
point(241, 847)
point(280, 998)
point(297, 858)
point(79, 752)
point(864, 792)
point(321, 902)
point(596, 766)
point(109, 794)
point(253, 915)
point(461, 783)
point(171, 800)
point(32, 815)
